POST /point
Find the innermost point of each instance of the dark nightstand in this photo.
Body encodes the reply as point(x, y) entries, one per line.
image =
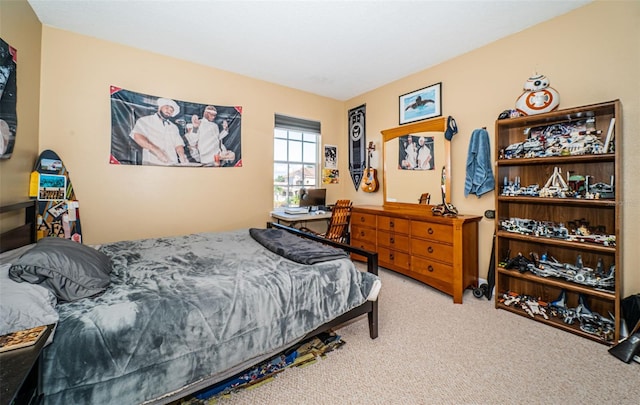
point(19, 373)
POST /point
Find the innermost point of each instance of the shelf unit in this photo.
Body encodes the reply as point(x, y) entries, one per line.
point(603, 213)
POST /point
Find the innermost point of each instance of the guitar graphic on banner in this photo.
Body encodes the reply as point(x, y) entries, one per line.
point(370, 184)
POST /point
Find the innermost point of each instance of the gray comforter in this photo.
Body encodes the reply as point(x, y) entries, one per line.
point(188, 311)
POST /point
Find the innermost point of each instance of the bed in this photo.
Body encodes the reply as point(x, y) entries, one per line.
point(176, 315)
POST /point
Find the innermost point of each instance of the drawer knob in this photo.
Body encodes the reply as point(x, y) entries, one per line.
point(391, 257)
point(361, 219)
point(430, 268)
point(430, 249)
point(392, 240)
point(361, 233)
point(391, 224)
point(430, 231)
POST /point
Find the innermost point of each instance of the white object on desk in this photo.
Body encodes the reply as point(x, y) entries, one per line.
point(292, 220)
point(296, 210)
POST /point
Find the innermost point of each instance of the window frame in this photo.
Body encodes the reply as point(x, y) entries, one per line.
point(286, 194)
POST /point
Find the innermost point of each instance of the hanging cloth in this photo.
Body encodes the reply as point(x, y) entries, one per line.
point(357, 144)
point(479, 178)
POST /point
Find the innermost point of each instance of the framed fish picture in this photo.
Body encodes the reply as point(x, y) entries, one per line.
point(421, 104)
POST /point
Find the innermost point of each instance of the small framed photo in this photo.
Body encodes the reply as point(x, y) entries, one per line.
point(421, 104)
point(57, 210)
point(50, 165)
point(52, 187)
point(330, 156)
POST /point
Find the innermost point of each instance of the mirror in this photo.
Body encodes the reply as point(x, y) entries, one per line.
point(404, 185)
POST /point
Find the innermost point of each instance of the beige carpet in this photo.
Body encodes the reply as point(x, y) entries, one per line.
point(431, 351)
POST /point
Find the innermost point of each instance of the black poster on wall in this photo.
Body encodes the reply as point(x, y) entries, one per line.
point(357, 144)
point(8, 99)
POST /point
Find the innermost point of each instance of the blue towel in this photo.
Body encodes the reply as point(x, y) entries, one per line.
point(479, 178)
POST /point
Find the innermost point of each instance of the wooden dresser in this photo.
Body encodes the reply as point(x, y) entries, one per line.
point(439, 251)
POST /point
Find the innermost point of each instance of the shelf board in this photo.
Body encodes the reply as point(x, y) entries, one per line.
point(607, 203)
point(556, 282)
point(594, 247)
point(557, 323)
point(559, 116)
point(605, 157)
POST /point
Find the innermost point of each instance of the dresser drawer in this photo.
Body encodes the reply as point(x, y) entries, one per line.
point(390, 258)
point(362, 244)
point(371, 247)
point(432, 250)
point(363, 234)
point(436, 274)
point(361, 219)
point(429, 230)
point(393, 241)
point(393, 224)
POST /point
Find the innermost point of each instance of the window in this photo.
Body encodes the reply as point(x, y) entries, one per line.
point(295, 159)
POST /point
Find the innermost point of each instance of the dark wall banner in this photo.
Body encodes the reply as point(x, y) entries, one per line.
point(158, 131)
point(8, 99)
point(357, 144)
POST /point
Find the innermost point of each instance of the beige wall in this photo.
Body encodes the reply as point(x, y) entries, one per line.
point(20, 28)
point(123, 202)
point(591, 55)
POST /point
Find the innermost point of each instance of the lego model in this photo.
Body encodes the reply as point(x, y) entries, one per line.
point(576, 273)
point(576, 186)
point(555, 186)
point(566, 139)
point(538, 97)
point(599, 190)
point(589, 321)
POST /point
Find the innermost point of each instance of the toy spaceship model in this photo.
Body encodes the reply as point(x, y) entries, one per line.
point(546, 266)
point(547, 229)
point(576, 186)
point(589, 321)
point(567, 139)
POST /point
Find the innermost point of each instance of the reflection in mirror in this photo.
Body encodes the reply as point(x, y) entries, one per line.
point(413, 157)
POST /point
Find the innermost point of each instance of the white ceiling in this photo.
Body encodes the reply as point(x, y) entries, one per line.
point(334, 48)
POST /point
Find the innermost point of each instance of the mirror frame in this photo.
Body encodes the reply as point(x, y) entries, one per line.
point(438, 124)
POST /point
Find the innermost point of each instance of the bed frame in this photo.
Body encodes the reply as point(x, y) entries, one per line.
point(23, 234)
point(26, 233)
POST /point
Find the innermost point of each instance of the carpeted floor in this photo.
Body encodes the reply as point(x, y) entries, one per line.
point(431, 351)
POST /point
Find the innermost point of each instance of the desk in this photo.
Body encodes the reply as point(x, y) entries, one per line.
point(295, 219)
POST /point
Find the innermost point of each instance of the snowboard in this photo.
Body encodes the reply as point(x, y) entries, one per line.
point(58, 209)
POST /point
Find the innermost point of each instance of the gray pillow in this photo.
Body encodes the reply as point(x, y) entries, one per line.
point(24, 305)
point(70, 270)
